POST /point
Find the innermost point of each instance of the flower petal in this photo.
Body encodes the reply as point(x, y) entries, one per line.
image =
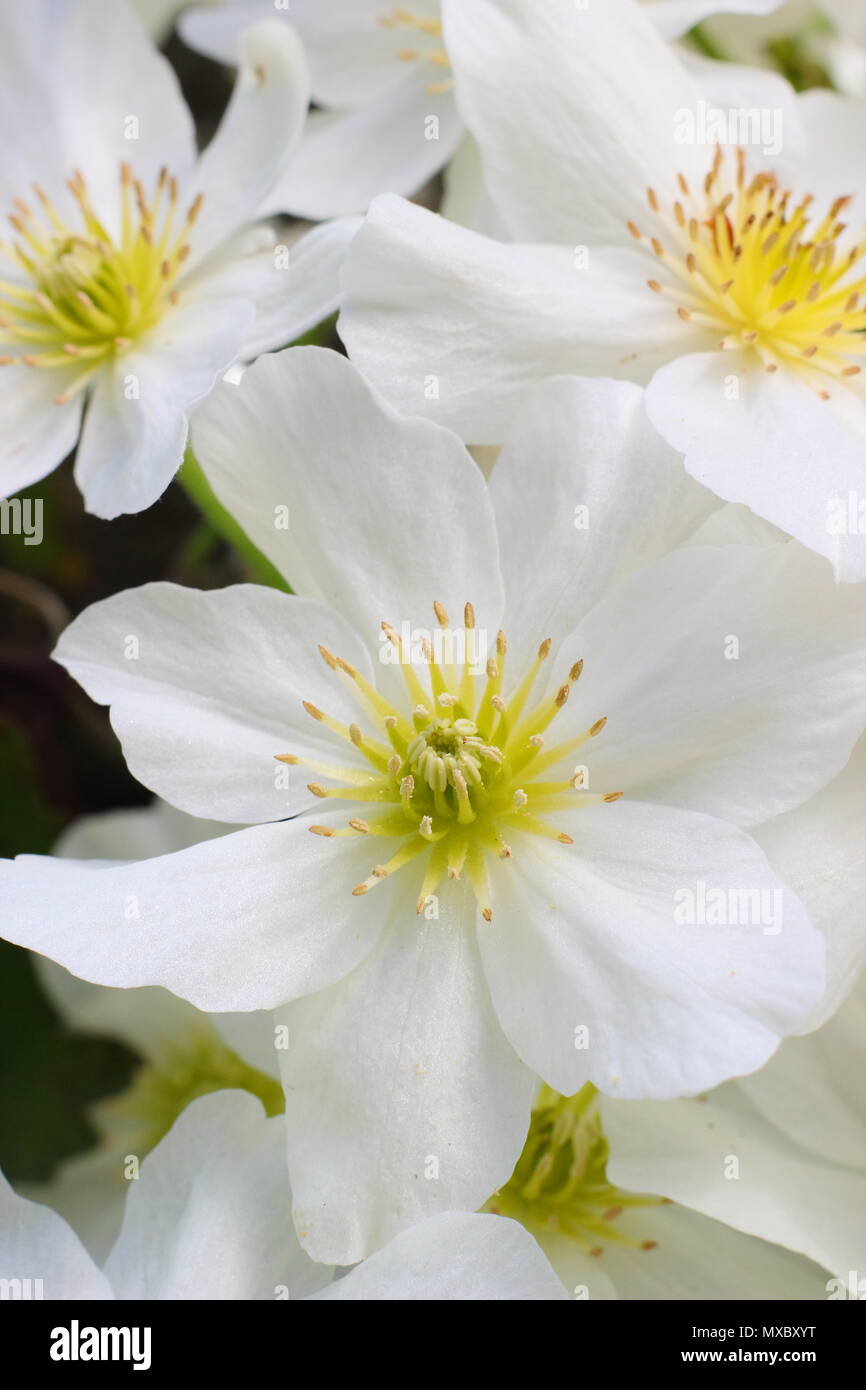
point(206, 689)
point(452, 1257)
point(409, 505)
point(404, 1098)
point(794, 459)
point(210, 1216)
point(37, 1245)
point(594, 978)
point(243, 922)
point(585, 492)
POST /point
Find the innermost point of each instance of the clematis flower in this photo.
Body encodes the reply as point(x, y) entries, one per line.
point(608, 1241)
point(502, 825)
point(779, 1155)
point(209, 1219)
point(133, 276)
point(382, 75)
point(730, 278)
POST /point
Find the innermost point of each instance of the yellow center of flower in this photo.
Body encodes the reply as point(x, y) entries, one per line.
point(81, 296)
point(560, 1184)
point(136, 1120)
point(771, 275)
point(426, 35)
point(464, 766)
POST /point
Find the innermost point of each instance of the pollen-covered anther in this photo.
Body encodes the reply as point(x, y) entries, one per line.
point(88, 295)
point(776, 276)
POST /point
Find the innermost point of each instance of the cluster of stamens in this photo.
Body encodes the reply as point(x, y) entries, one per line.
point(86, 296)
point(773, 277)
point(426, 29)
point(454, 777)
point(560, 1183)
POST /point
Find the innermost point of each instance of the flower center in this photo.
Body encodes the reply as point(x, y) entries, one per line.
point(774, 277)
point(451, 777)
point(560, 1183)
point(427, 48)
point(84, 295)
point(161, 1090)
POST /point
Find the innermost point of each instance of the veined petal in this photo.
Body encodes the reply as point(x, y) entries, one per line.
point(599, 971)
point(206, 689)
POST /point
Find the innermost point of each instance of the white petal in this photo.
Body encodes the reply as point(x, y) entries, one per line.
point(92, 89)
point(585, 492)
point(389, 145)
point(37, 1244)
point(244, 922)
point(38, 433)
point(574, 108)
point(136, 426)
point(696, 1258)
point(588, 938)
point(683, 1150)
point(820, 850)
point(253, 145)
point(404, 1098)
point(453, 1257)
point(733, 679)
point(790, 456)
point(206, 690)
point(812, 1089)
point(291, 297)
point(409, 506)
point(453, 325)
point(210, 1216)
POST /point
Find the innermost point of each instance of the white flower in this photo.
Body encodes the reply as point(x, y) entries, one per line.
point(731, 280)
point(382, 74)
point(607, 1241)
point(209, 1218)
point(132, 277)
point(779, 1155)
point(484, 905)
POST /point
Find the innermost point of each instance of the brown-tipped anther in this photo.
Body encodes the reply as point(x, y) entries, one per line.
point(596, 1251)
point(346, 667)
point(360, 825)
point(561, 695)
point(655, 286)
point(390, 634)
point(441, 613)
point(851, 371)
point(648, 1244)
point(311, 710)
point(612, 796)
point(598, 726)
point(328, 657)
point(380, 871)
point(469, 617)
point(316, 789)
point(322, 830)
point(290, 758)
point(612, 1213)
point(635, 231)
point(361, 889)
point(487, 914)
point(564, 839)
point(652, 199)
point(574, 673)
point(355, 735)
point(501, 643)
point(390, 721)
point(544, 649)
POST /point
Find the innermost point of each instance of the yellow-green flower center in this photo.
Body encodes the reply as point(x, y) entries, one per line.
point(80, 295)
point(137, 1119)
point(740, 256)
point(560, 1184)
point(451, 776)
point(425, 46)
